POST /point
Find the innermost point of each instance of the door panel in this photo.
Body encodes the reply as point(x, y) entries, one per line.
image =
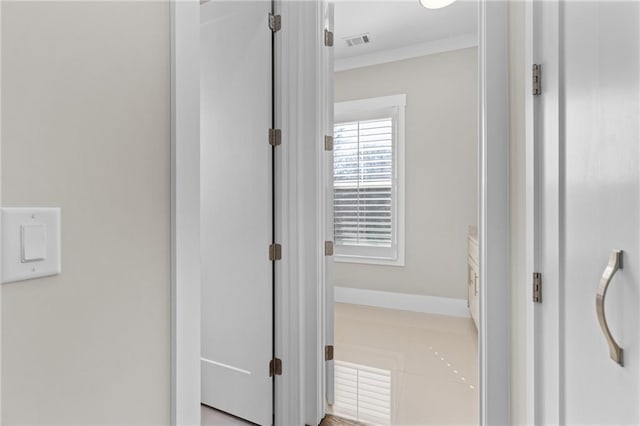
point(236, 215)
point(598, 184)
point(601, 199)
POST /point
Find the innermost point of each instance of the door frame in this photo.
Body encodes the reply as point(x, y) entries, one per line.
point(303, 117)
point(493, 223)
point(185, 212)
point(542, 316)
point(531, 57)
point(300, 283)
point(0, 216)
point(493, 226)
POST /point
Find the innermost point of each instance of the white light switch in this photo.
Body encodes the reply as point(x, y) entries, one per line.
point(34, 243)
point(30, 243)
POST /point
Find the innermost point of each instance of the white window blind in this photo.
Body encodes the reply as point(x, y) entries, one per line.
point(363, 182)
point(368, 180)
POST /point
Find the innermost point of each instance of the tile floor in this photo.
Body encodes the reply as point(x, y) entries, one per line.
point(432, 360)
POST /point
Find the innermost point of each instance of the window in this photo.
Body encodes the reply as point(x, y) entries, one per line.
point(368, 180)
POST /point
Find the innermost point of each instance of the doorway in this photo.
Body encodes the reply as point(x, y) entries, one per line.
point(300, 393)
point(405, 213)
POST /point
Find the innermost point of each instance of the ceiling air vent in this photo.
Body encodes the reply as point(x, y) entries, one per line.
point(358, 40)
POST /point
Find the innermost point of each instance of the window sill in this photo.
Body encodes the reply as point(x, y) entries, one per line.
point(368, 260)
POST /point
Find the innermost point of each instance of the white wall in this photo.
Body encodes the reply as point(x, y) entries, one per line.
point(441, 170)
point(85, 97)
point(517, 205)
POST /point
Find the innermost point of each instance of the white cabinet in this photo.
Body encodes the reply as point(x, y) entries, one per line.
point(473, 274)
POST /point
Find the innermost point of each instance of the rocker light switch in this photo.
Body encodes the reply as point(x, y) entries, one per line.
point(34, 243)
point(30, 243)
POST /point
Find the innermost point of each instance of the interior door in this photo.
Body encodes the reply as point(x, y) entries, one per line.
point(236, 209)
point(589, 208)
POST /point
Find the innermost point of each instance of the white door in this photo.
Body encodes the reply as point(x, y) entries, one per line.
point(588, 146)
point(236, 216)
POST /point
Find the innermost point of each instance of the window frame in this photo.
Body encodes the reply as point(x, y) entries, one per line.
point(368, 109)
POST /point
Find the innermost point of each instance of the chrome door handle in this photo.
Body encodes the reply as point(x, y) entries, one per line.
point(615, 263)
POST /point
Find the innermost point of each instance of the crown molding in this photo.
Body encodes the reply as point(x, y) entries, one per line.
point(407, 52)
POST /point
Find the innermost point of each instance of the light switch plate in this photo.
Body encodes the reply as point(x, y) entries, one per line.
point(30, 243)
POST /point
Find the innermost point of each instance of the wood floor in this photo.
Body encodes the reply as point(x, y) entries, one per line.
point(330, 420)
point(212, 417)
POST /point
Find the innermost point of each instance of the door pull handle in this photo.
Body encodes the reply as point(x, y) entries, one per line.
point(615, 263)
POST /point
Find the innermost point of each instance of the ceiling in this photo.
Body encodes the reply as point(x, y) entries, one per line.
point(396, 24)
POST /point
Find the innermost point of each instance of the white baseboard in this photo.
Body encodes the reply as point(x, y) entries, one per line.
point(406, 302)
